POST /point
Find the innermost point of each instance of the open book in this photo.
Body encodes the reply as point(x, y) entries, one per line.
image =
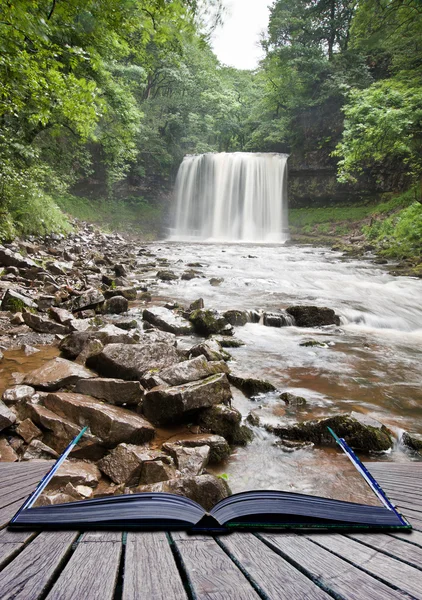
point(247, 510)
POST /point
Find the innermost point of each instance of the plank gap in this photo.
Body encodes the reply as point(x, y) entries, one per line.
point(181, 567)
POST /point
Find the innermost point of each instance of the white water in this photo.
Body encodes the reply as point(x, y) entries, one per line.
point(238, 196)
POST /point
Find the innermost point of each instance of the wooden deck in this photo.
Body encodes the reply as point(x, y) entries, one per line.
point(162, 566)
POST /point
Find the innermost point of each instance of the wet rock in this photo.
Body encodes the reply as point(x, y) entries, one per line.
point(166, 405)
point(89, 299)
point(190, 274)
point(126, 323)
point(412, 441)
point(292, 400)
point(210, 349)
point(154, 471)
point(56, 374)
point(29, 350)
point(43, 324)
point(208, 322)
point(18, 393)
point(73, 344)
point(253, 419)
point(28, 430)
point(275, 320)
point(45, 302)
point(155, 335)
point(14, 259)
point(216, 281)
point(229, 342)
point(54, 497)
point(250, 386)
point(236, 317)
point(360, 432)
point(63, 430)
point(219, 447)
point(7, 417)
point(192, 370)
point(120, 270)
point(7, 453)
point(225, 421)
point(111, 424)
point(313, 316)
point(167, 320)
point(125, 361)
point(116, 305)
point(206, 490)
point(291, 446)
point(129, 293)
point(114, 391)
point(167, 276)
point(15, 302)
point(189, 461)
point(124, 463)
point(197, 305)
point(145, 296)
point(38, 450)
point(313, 344)
point(91, 348)
point(77, 473)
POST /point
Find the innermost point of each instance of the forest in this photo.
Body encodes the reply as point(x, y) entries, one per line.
point(100, 101)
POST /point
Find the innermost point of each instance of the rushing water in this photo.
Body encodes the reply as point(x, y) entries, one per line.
point(370, 363)
point(238, 196)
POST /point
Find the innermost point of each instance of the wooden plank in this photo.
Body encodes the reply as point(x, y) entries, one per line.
point(331, 572)
point(92, 569)
point(387, 569)
point(210, 572)
point(272, 574)
point(29, 574)
point(7, 512)
point(411, 537)
point(392, 546)
point(18, 493)
point(12, 542)
point(150, 569)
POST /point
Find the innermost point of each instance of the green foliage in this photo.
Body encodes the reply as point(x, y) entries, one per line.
point(400, 235)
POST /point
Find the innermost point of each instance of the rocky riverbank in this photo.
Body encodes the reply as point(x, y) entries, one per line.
point(128, 365)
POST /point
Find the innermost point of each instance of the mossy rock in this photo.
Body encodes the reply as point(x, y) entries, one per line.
point(250, 386)
point(208, 322)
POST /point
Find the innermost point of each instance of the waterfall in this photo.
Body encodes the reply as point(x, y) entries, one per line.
point(240, 196)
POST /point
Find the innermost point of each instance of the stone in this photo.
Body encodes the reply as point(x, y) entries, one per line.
point(7, 453)
point(291, 446)
point(167, 320)
point(292, 400)
point(197, 305)
point(38, 450)
point(166, 275)
point(120, 270)
point(216, 281)
point(219, 447)
point(275, 320)
point(112, 424)
point(29, 350)
point(125, 361)
point(166, 405)
point(124, 463)
point(17, 319)
point(250, 386)
point(412, 441)
point(89, 299)
point(114, 391)
point(61, 315)
point(18, 393)
point(229, 342)
point(155, 335)
point(206, 490)
point(91, 348)
point(51, 498)
point(116, 305)
point(73, 344)
point(8, 258)
point(236, 317)
point(189, 461)
point(43, 324)
point(45, 302)
point(225, 421)
point(313, 316)
point(128, 293)
point(313, 344)
point(192, 370)
point(360, 432)
point(28, 430)
point(15, 302)
point(210, 349)
point(77, 472)
point(56, 374)
point(7, 417)
point(63, 430)
point(208, 322)
point(154, 471)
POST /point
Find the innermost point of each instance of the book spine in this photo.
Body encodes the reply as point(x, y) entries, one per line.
point(48, 477)
point(369, 478)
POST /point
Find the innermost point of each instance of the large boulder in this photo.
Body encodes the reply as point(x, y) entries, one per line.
point(208, 322)
point(250, 386)
point(114, 391)
point(412, 441)
point(360, 432)
point(165, 405)
point(219, 447)
point(55, 374)
point(192, 370)
point(206, 490)
point(111, 424)
point(7, 417)
point(89, 299)
point(42, 324)
point(116, 305)
point(77, 473)
point(189, 461)
point(313, 316)
point(15, 302)
point(126, 462)
point(237, 317)
point(73, 344)
point(8, 258)
point(167, 320)
point(225, 421)
point(125, 361)
point(63, 430)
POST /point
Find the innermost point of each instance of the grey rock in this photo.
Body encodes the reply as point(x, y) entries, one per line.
point(225, 421)
point(125, 463)
point(189, 461)
point(45, 302)
point(18, 393)
point(128, 293)
point(14, 259)
point(55, 374)
point(7, 452)
point(167, 320)
point(38, 450)
point(116, 305)
point(412, 441)
point(236, 317)
point(167, 275)
point(43, 324)
point(292, 400)
point(192, 370)
point(208, 322)
point(275, 320)
point(250, 386)
point(114, 391)
point(313, 316)
point(219, 447)
point(89, 299)
point(7, 417)
point(210, 349)
point(77, 473)
point(15, 302)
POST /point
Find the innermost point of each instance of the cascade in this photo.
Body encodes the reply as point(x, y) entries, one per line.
point(239, 196)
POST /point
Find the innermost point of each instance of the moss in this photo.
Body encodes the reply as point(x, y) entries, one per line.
point(14, 305)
